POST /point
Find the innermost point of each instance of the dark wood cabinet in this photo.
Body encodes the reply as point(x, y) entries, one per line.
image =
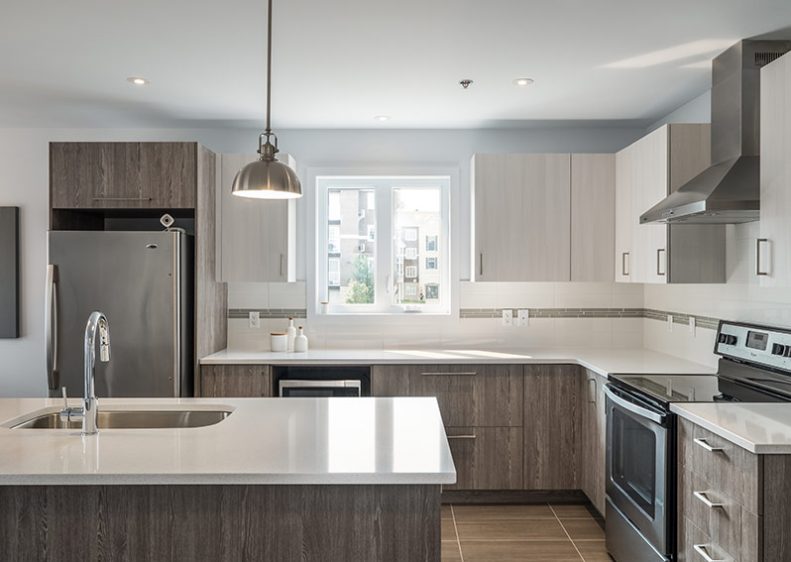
point(486, 458)
point(236, 381)
point(593, 438)
point(123, 175)
point(551, 427)
point(468, 395)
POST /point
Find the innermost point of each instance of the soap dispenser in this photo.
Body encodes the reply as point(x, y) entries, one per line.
point(301, 341)
point(292, 334)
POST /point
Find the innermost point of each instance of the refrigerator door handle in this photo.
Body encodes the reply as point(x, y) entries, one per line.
point(51, 326)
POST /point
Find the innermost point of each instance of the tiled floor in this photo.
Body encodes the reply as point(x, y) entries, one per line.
point(517, 533)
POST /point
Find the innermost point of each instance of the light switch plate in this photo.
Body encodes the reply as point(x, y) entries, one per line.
point(508, 317)
point(669, 322)
point(254, 319)
point(523, 317)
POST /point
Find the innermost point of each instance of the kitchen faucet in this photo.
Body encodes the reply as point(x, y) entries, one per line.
point(89, 411)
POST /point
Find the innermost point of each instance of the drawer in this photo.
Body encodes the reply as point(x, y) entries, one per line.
point(730, 527)
point(468, 395)
point(486, 458)
point(723, 465)
point(235, 381)
point(694, 544)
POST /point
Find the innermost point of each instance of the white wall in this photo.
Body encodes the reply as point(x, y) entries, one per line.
point(24, 183)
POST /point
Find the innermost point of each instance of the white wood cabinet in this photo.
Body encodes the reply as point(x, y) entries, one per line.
point(774, 244)
point(592, 216)
point(521, 217)
point(255, 238)
point(646, 172)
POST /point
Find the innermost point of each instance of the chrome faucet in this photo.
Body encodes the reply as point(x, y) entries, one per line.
point(89, 411)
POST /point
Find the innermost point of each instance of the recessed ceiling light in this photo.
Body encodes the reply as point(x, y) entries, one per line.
point(382, 118)
point(523, 81)
point(137, 80)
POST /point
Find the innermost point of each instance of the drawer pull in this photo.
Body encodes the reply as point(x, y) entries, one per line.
point(122, 199)
point(459, 374)
point(702, 550)
point(705, 444)
point(703, 497)
point(468, 437)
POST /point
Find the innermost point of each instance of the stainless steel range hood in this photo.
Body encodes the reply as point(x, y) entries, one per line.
point(729, 191)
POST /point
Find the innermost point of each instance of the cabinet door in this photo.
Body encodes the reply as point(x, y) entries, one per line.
point(592, 217)
point(257, 239)
point(522, 214)
point(593, 424)
point(775, 253)
point(468, 395)
point(486, 458)
point(235, 381)
point(551, 427)
point(119, 175)
point(649, 167)
point(624, 225)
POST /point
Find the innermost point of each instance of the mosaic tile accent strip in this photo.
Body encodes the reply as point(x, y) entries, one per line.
point(678, 318)
point(268, 312)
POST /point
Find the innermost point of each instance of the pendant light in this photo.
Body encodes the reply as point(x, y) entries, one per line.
point(267, 178)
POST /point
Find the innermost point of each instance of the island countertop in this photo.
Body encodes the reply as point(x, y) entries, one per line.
point(604, 361)
point(266, 441)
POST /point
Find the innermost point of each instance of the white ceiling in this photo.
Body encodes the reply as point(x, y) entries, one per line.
point(338, 63)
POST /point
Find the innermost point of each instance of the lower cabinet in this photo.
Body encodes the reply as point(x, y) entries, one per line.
point(486, 458)
point(236, 381)
point(593, 438)
point(732, 504)
point(552, 427)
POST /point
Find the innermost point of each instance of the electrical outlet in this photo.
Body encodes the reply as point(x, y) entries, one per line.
point(254, 319)
point(523, 317)
point(692, 325)
point(669, 322)
point(508, 317)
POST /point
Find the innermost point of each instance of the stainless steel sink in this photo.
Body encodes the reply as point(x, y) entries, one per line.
point(131, 419)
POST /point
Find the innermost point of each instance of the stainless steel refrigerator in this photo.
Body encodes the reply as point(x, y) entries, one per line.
point(143, 283)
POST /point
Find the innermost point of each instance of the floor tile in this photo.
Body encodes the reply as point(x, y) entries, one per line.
point(496, 512)
point(572, 510)
point(593, 551)
point(450, 551)
point(510, 529)
point(519, 551)
point(583, 529)
point(447, 513)
point(448, 530)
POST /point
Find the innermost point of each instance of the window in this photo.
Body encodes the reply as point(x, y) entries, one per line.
point(372, 231)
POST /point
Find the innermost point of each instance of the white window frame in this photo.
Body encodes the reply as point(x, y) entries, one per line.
point(384, 272)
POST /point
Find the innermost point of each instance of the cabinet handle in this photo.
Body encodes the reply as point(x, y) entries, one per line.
point(758, 269)
point(123, 199)
point(592, 391)
point(459, 374)
point(659, 262)
point(469, 437)
point(624, 262)
point(705, 444)
point(703, 497)
point(701, 549)
point(480, 264)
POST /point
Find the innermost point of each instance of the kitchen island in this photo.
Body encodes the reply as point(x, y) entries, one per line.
point(296, 479)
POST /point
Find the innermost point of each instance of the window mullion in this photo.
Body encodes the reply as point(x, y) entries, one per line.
point(384, 246)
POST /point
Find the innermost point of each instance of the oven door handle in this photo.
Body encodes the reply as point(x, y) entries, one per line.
point(634, 408)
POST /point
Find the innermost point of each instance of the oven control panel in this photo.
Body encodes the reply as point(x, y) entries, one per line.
point(770, 347)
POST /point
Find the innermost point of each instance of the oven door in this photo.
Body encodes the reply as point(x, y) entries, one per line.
point(303, 389)
point(638, 455)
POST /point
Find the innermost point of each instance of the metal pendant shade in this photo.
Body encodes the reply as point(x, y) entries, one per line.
point(267, 178)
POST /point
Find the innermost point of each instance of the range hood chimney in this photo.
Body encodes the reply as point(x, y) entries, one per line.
point(728, 192)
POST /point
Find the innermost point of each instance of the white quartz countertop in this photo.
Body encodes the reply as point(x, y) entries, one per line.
point(263, 441)
point(760, 428)
point(604, 361)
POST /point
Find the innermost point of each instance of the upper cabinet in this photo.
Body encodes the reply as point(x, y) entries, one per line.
point(774, 244)
point(542, 217)
point(256, 237)
point(646, 172)
point(123, 175)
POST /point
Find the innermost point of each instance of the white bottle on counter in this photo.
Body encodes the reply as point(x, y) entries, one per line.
point(301, 341)
point(292, 334)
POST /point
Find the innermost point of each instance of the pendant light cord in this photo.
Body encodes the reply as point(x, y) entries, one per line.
point(269, 72)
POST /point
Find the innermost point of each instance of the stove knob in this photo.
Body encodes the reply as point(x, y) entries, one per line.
point(787, 351)
point(730, 340)
point(778, 349)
